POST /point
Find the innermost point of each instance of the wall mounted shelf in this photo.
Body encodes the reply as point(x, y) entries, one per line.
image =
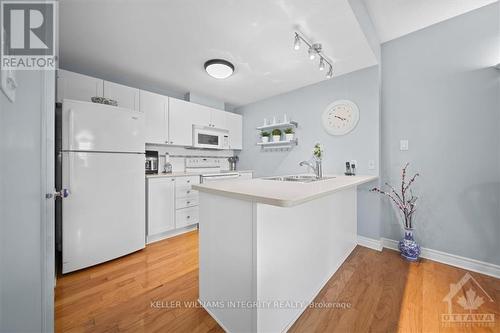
point(278, 144)
point(279, 125)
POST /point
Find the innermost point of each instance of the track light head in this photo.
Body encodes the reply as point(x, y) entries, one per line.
point(296, 43)
point(312, 53)
point(329, 75)
point(322, 64)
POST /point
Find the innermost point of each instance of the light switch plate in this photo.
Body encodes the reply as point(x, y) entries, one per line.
point(403, 145)
point(8, 84)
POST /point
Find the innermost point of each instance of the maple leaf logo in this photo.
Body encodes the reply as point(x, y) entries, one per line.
point(471, 301)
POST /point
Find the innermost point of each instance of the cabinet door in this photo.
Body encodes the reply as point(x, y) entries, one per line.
point(155, 108)
point(182, 116)
point(127, 97)
point(234, 123)
point(77, 86)
point(218, 118)
point(161, 205)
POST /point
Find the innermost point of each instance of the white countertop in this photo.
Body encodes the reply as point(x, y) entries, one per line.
point(280, 193)
point(187, 174)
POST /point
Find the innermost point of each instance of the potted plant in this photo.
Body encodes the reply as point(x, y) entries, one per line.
point(289, 134)
point(265, 136)
point(405, 202)
point(276, 135)
point(318, 151)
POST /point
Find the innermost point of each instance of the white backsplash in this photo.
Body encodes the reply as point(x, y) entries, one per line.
point(178, 155)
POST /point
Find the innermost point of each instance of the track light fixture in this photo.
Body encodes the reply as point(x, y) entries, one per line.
point(315, 50)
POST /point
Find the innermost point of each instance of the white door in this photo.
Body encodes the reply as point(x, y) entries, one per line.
point(155, 108)
point(234, 123)
point(77, 86)
point(182, 116)
point(127, 97)
point(98, 127)
point(218, 118)
point(161, 205)
point(103, 217)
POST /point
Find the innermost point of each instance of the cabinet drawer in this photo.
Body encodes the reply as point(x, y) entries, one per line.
point(186, 216)
point(187, 181)
point(185, 191)
point(186, 202)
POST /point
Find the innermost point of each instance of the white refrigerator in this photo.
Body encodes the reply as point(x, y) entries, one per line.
point(103, 216)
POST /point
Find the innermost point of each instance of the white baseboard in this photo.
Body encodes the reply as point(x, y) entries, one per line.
point(370, 243)
point(439, 256)
point(168, 234)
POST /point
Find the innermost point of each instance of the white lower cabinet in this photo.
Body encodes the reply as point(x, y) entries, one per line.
point(171, 206)
point(186, 217)
point(161, 205)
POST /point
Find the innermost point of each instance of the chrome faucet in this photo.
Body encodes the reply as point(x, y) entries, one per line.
point(318, 170)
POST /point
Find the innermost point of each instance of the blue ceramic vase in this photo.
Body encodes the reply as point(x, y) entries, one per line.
point(410, 250)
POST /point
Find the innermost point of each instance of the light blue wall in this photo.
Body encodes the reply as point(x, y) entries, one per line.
point(440, 93)
point(305, 106)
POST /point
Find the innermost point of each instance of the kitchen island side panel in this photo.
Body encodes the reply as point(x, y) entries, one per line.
point(226, 267)
point(298, 250)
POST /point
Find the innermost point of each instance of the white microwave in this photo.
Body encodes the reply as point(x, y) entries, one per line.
point(208, 137)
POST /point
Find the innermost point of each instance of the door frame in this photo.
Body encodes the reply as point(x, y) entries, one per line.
point(47, 186)
point(47, 214)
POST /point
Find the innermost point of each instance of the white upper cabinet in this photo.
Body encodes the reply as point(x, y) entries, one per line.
point(155, 108)
point(126, 97)
point(234, 123)
point(218, 118)
point(76, 86)
point(182, 116)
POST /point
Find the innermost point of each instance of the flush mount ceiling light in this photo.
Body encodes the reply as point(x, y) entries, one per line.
point(314, 50)
point(219, 68)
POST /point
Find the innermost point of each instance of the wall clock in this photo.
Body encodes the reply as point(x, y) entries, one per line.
point(340, 117)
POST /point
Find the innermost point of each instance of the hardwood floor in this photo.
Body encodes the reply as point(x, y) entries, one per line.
point(156, 290)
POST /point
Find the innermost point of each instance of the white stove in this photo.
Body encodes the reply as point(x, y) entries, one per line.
point(210, 169)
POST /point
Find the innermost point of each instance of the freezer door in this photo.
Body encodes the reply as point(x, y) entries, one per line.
point(104, 215)
point(97, 127)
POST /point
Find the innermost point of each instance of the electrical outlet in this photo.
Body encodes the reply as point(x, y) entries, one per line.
point(403, 145)
point(371, 164)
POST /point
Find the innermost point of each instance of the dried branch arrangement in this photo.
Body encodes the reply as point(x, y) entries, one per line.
point(404, 200)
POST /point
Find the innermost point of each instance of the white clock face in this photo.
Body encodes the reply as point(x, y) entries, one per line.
point(340, 117)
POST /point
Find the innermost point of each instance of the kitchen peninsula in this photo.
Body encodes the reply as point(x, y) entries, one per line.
point(268, 246)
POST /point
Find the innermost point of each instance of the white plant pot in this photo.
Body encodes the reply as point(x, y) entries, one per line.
point(289, 137)
point(276, 138)
point(265, 139)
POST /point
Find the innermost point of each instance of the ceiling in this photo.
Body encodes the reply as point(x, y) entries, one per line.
point(396, 18)
point(163, 44)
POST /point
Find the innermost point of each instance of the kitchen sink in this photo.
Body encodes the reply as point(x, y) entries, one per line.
point(298, 178)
